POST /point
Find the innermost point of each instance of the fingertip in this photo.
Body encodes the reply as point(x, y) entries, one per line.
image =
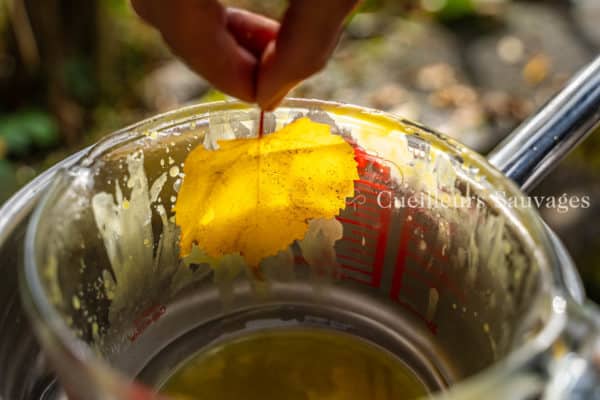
point(270, 105)
point(273, 82)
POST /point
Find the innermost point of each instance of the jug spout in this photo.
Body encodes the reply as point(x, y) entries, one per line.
point(535, 147)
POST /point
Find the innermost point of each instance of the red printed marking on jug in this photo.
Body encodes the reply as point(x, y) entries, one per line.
point(363, 249)
point(145, 319)
point(366, 225)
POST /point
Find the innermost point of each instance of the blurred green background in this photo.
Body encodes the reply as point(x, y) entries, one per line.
point(72, 71)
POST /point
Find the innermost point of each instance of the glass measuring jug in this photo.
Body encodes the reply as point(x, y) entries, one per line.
point(430, 260)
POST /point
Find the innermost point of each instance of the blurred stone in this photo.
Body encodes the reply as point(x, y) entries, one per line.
point(587, 16)
point(510, 49)
point(537, 69)
point(435, 76)
point(385, 74)
point(500, 104)
point(467, 124)
point(409, 110)
point(542, 30)
point(497, 103)
point(474, 90)
point(490, 7)
point(388, 96)
point(172, 85)
point(366, 25)
point(453, 96)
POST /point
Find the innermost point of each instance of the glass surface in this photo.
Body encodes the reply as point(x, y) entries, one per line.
point(429, 260)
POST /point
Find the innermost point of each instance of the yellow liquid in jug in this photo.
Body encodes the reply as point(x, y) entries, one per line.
point(294, 364)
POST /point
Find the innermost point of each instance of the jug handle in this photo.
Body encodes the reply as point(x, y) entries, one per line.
point(545, 138)
point(572, 362)
point(565, 366)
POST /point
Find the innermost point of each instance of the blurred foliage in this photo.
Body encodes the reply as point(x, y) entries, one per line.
point(79, 79)
point(25, 131)
point(8, 179)
point(454, 9)
point(440, 9)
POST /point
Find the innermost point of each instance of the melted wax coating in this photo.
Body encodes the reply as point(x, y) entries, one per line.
point(294, 365)
point(254, 197)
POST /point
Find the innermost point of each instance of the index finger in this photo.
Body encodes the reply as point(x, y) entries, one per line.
point(197, 32)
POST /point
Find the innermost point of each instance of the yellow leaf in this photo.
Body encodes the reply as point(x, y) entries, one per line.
point(255, 197)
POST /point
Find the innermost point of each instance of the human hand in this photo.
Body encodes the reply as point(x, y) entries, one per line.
point(246, 55)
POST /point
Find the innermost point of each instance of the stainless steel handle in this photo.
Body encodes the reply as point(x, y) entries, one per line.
point(535, 147)
point(526, 156)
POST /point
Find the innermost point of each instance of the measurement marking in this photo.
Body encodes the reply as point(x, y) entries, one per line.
point(365, 233)
point(370, 202)
point(357, 223)
point(362, 251)
point(355, 269)
point(354, 259)
point(146, 318)
point(370, 198)
point(352, 278)
point(373, 184)
point(367, 191)
point(372, 206)
point(351, 240)
point(368, 205)
point(369, 217)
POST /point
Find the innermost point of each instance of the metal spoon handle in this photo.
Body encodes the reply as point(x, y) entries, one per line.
point(545, 138)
